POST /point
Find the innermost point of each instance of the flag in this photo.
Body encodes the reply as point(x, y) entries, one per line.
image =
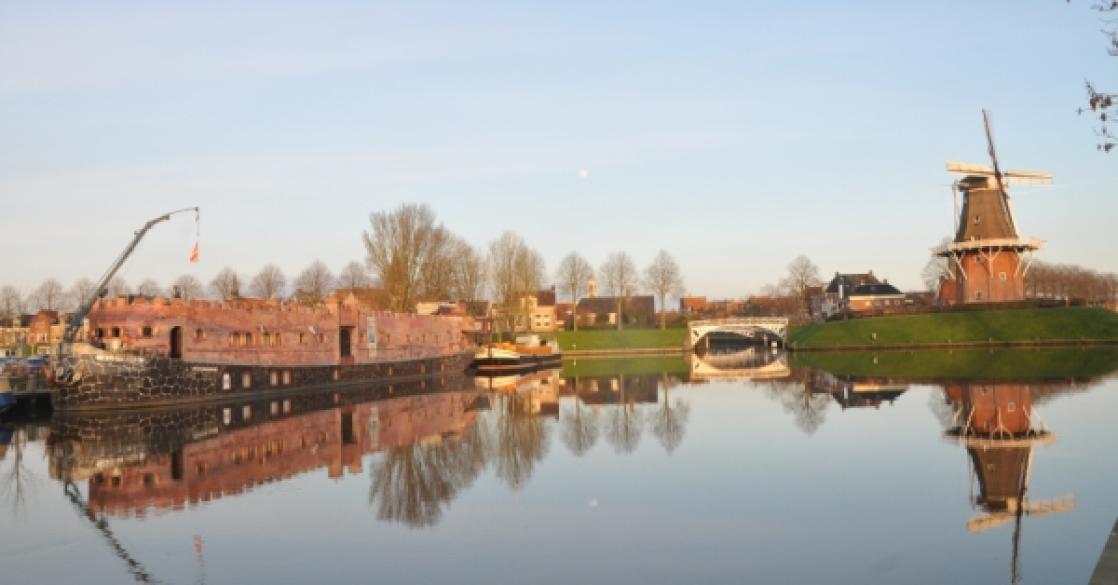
point(194, 253)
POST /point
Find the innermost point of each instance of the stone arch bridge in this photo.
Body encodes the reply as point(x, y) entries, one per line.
point(764, 329)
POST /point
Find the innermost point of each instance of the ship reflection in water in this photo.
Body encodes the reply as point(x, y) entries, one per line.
point(419, 447)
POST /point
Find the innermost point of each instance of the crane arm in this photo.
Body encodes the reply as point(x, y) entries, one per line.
point(87, 304)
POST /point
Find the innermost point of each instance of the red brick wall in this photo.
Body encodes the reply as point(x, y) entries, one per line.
point(269, 332)
point(986, 279)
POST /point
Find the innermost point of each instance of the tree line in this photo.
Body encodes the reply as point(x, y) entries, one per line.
point(410, 257)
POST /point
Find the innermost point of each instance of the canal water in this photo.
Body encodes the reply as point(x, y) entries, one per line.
point(929, 467)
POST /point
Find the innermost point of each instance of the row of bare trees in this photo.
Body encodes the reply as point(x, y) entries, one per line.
point(1068, 281)
point(416, 258)
point(662, 278)
point(312, 285)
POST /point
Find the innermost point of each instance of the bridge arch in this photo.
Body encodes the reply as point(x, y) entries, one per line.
point(746, 327)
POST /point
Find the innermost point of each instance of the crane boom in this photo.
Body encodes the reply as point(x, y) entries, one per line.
point(87, 304)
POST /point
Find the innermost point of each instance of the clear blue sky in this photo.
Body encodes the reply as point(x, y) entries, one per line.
point(735, 135)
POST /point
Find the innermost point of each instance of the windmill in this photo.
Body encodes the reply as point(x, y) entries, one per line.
point(988, 257)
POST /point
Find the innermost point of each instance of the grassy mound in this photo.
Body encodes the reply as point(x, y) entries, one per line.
point(1022, 325)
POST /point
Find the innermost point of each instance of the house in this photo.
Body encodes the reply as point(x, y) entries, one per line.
point(636, 310)
point(874, 297)
point(834, 298)
point(15, 334)
point(692, 306)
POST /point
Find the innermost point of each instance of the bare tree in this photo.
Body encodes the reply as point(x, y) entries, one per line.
point(269, 283)
point(354, 275)
point(573, 274)
point(516, 271)
point(436, 272)
point(402, 246)
point(188, 287)
point(802, 274)
point(81, 291)
point(50, 295)
point(149, 288)
point(663, 278)
point(314, 283)
point(227, 284)
point(620, 276)
point(118, 286)
point(937, 270)
point(11, 302)
point(1101, 104)
point(469, 272)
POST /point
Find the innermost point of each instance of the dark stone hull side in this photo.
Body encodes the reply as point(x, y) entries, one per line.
point(159, 381)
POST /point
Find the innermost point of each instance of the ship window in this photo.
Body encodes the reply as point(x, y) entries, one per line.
point(115, 332)
point(246, 380)
point(226, 382)
point(226, 415)
point(246, 413)
point(273, 378)
point(274, 408)
point(286, 377)
point(145, 331)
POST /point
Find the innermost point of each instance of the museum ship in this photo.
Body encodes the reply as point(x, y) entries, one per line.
point(151, 351)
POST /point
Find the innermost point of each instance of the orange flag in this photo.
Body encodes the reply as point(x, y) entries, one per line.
point(194, 253)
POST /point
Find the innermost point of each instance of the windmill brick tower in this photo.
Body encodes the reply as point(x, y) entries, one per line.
point(988, 260)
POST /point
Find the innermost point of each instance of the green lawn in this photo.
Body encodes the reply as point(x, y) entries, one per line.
point(626, 339)
point(1049, 363)
point(591, 367)
point(1076, 323)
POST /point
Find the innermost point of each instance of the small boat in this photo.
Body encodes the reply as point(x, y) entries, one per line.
point(528, 353)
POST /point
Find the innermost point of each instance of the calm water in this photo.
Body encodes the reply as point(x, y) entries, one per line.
point(650, 471)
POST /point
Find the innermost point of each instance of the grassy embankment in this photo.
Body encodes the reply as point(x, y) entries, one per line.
point(1072, 325)
point(627, 339)
point(1035, 364)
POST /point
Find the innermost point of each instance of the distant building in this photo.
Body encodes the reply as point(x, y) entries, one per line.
point(636, 310)
point(834, 297)
point(874, 297)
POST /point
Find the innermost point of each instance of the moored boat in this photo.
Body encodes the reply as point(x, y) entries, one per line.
point(155, 351)
point(528, 353)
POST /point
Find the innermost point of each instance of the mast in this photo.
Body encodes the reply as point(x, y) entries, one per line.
point(87, 304)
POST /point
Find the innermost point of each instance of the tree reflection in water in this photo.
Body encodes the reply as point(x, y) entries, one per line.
point(797, 397)
point(412, 483)
point(669, 420)
point(521, 439)
point(625, 424)
point(580, 428)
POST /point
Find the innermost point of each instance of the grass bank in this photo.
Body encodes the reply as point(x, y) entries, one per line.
point(1072, 324)
point(1050, 363)
point(600, 339)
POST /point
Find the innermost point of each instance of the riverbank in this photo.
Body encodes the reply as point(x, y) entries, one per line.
point(1007, 328)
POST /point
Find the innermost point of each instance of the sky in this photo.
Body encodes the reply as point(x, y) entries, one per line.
point(735, 135)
